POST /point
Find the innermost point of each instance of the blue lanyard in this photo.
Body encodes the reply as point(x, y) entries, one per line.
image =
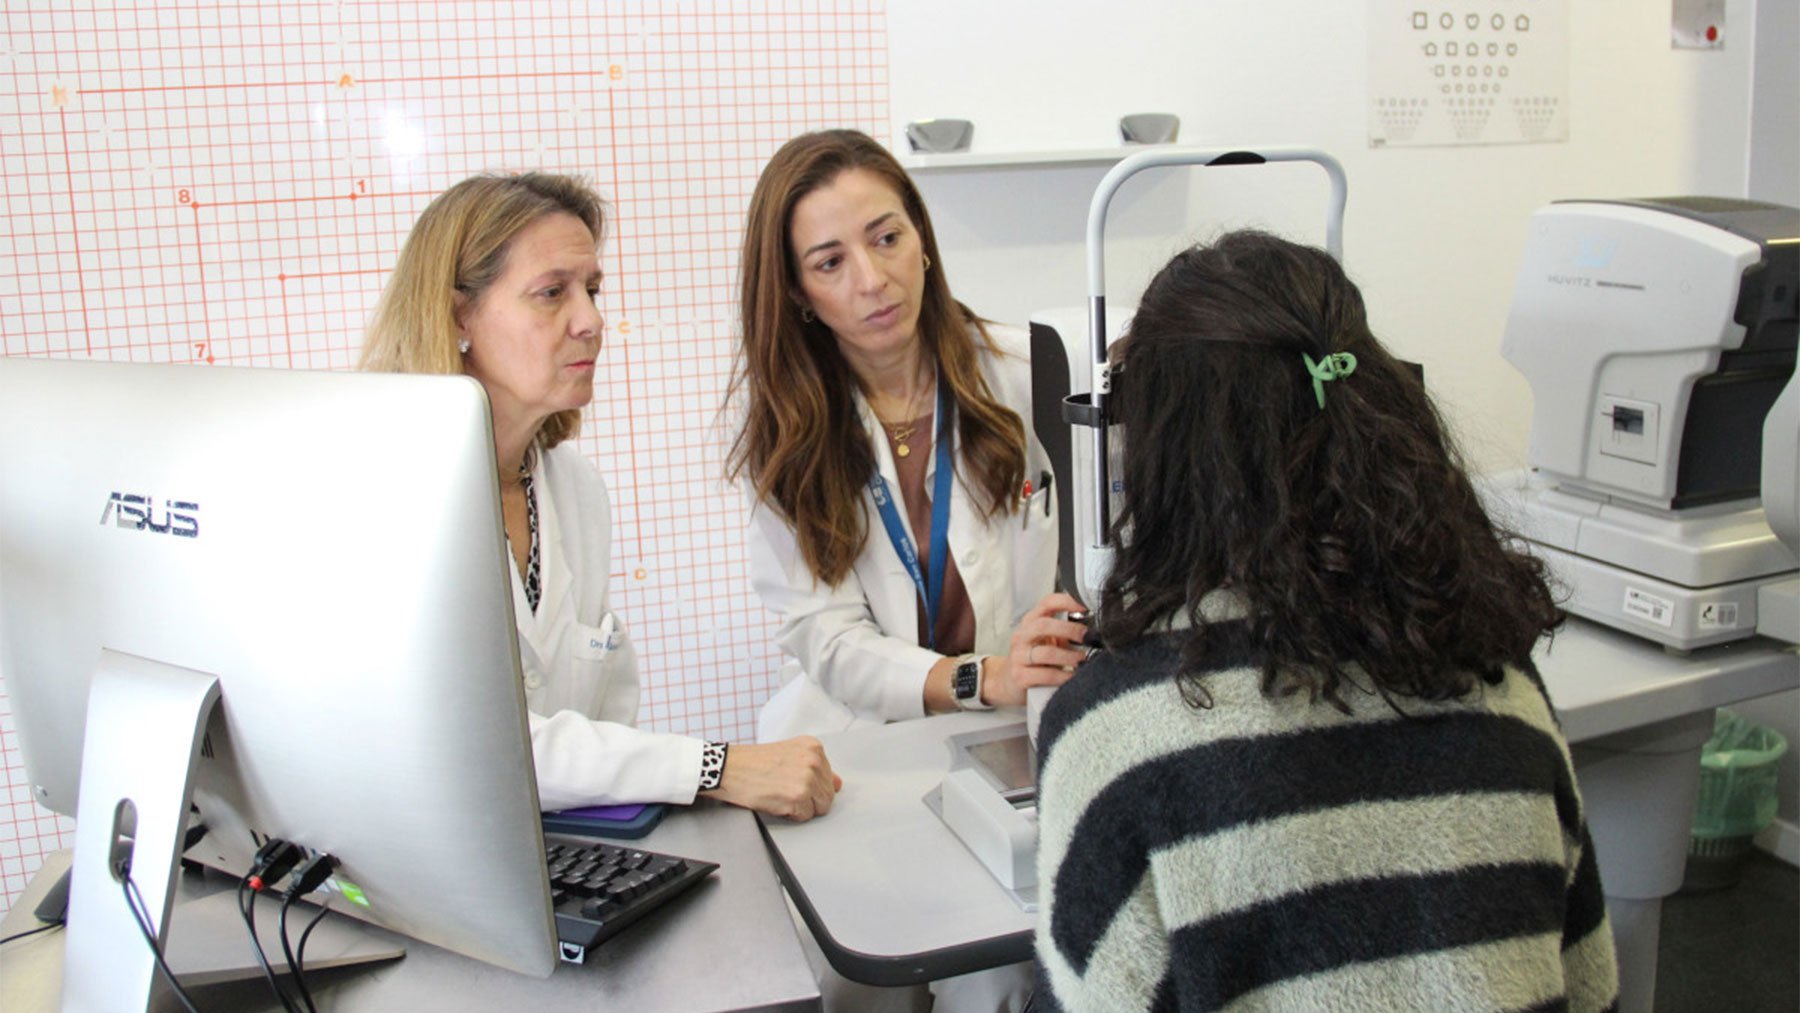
point(940, 522)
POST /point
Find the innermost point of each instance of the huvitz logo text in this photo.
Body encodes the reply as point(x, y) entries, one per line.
point(128, 510)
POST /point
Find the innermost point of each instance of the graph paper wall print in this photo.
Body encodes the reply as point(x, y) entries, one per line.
point(1466, 72)
point(230, 182)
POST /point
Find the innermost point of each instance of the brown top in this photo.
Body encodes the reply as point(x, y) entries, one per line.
point(956, 615)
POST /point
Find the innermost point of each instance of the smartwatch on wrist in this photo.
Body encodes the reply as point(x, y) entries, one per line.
point(965, 684)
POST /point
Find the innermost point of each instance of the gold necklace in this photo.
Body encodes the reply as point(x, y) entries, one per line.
point(900, 435)
point(902, 432)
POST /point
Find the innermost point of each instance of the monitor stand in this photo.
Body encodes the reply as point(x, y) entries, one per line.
point(145, 724)
point(145, 721)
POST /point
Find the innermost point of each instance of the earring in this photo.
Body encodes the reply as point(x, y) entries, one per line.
point(928, 262)
point(463, 346)
point(806, 315)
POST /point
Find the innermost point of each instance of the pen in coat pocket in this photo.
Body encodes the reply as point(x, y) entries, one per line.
point(1041, 489)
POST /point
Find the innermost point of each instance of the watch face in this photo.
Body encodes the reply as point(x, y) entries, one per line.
point(966, 674)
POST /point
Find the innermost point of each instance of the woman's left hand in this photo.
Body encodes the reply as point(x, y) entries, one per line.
point(1044, 652)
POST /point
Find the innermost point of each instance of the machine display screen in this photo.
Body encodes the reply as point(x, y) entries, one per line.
point(1009, 765)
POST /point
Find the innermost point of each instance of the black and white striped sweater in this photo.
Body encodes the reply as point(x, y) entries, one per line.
point(1277, 854)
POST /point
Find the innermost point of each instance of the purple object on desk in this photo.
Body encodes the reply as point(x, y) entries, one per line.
point(618, 813)
point(606, 820)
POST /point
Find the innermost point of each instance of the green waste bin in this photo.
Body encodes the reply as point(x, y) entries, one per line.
point(1737, 798)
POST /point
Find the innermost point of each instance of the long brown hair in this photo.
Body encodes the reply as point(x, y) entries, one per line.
point(802, 443)
point(1350, 529)
point(459, 245)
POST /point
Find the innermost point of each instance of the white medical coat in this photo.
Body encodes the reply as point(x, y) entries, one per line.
point(580, 670)
point(853, 649)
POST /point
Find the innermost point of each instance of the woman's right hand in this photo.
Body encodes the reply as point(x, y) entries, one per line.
point(1044, 652)
point(790, 778)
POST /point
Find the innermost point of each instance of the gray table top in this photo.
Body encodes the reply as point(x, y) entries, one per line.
point(1605, 681)
point(727, 944)
point(890, 893)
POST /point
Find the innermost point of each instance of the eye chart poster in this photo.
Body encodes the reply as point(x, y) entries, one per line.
point(1461, 72)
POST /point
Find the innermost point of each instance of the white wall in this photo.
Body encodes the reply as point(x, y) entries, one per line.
point(1432, 235)
point(1775, 104)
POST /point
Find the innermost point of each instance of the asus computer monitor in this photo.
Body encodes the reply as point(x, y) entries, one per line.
point(329, 547)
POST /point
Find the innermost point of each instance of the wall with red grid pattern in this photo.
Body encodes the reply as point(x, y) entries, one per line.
point(219, 182)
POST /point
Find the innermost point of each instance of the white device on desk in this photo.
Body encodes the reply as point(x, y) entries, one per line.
point(285, 595)
point(1778, 602)
point(1656, 335)
point(989, 800)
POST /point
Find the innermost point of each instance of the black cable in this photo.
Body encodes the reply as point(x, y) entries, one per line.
point(300, 951)
point(308, 876)
point(288, 952)
point(140, 913)
point(247, 908)
point(32, 932)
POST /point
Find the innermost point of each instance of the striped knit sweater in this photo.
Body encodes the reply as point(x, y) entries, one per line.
point(1276, 854)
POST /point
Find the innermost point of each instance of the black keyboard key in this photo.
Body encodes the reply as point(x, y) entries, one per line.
point(603, 888)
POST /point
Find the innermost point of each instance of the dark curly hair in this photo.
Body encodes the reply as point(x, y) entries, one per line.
point(1351, 531)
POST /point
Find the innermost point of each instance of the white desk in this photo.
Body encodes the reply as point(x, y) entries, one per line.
point(1604, 681)
point(727, 944)
point(894, 898)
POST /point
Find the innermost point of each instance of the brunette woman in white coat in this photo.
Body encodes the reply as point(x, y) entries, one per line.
point(498, 281)
point(900, 527)
point(862, 377)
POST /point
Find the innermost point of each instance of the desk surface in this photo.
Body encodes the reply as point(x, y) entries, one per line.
point(727, 944)
point(1604, 681)
point(893, 897)
point(890, 893)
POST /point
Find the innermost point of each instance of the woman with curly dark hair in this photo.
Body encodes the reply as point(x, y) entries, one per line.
point(1313, 765)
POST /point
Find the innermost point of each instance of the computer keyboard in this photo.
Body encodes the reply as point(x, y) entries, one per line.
point(598, 888)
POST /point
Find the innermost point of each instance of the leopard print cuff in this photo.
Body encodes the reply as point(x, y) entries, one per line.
point(712, 765)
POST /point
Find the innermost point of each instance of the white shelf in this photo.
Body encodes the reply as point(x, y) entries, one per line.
point(917, 162)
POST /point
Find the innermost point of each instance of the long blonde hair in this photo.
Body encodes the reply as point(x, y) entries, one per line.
point(457, 248)
point(802, 441)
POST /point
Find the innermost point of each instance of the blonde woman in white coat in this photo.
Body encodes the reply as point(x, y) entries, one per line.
point(498, 281)
point(862, 378)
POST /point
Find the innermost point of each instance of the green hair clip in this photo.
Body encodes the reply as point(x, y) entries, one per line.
point(1335, 366)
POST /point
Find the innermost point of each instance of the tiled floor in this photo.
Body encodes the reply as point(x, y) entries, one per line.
point(1736, 949)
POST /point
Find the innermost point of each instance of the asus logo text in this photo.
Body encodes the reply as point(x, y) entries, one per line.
point(128, 510)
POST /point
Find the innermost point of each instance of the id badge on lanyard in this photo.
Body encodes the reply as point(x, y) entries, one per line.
point(933, 595)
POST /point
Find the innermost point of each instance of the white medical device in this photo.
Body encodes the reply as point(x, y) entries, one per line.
point(1658, 337)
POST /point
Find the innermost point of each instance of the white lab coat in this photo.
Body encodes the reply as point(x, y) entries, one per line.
point(853, 652)
point(580, 670)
